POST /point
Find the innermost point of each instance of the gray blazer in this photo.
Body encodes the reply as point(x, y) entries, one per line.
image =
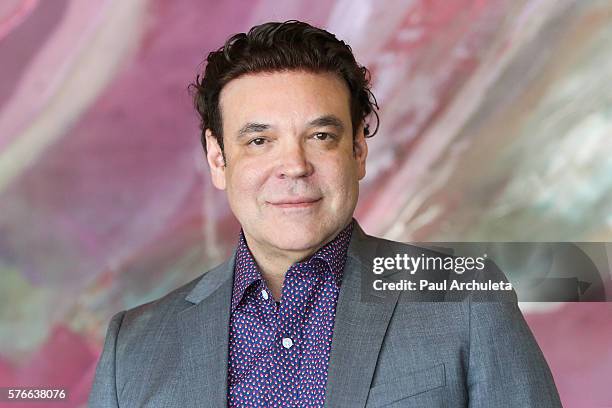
point(391, 348)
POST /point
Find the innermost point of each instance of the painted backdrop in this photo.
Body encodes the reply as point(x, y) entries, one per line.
point(496, 126)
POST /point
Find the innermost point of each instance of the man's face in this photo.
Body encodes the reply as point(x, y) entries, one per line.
point(292, 169)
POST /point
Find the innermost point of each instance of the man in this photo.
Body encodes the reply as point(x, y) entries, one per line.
point(291, 318)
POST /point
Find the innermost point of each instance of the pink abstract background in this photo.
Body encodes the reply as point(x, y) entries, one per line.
point(496, 125)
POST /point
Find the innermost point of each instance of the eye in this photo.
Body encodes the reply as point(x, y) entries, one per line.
point(258, 141)
point(323, 136)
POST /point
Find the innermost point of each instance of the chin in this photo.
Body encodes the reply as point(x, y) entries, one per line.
point(298, 237)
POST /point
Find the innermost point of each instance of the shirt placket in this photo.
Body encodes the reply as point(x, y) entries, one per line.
point(297, 290)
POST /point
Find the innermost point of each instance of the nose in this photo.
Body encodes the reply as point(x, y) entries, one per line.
point(294, 162)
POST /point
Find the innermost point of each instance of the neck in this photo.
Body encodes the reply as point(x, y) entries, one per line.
point(273, 263)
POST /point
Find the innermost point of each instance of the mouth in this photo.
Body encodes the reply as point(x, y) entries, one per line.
point(297, 202)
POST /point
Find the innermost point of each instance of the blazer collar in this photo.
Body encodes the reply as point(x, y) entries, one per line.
point(212, 280)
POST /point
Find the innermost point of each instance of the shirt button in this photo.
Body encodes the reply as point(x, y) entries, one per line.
point(287, 343)
point(264, 294)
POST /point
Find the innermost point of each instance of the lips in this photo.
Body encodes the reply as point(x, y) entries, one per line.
point(295, 202)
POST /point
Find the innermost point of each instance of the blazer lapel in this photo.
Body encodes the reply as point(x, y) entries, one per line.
point(204, 331)
point(359, 328)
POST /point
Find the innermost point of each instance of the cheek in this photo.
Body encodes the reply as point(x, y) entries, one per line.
point(342, 178)
point(244, 181)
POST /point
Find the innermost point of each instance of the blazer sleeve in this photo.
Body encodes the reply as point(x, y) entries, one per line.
point(104, 389)
point(506, 366)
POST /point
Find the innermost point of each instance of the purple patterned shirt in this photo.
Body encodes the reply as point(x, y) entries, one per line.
point(279, 352)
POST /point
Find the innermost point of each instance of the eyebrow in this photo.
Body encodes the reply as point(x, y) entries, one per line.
point(323, 121)
point(252, 127)
point(327, 120)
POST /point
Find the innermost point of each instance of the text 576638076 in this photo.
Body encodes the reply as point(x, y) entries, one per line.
point(20, 394)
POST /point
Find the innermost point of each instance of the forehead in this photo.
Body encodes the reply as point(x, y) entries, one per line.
point(284, 96)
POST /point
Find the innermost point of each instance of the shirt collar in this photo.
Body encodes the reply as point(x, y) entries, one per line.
point(246, 271)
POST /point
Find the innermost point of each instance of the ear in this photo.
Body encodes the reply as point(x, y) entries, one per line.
point(360, 151)
point(216, 161)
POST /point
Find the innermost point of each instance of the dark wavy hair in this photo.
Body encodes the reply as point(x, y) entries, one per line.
point(271, 47)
